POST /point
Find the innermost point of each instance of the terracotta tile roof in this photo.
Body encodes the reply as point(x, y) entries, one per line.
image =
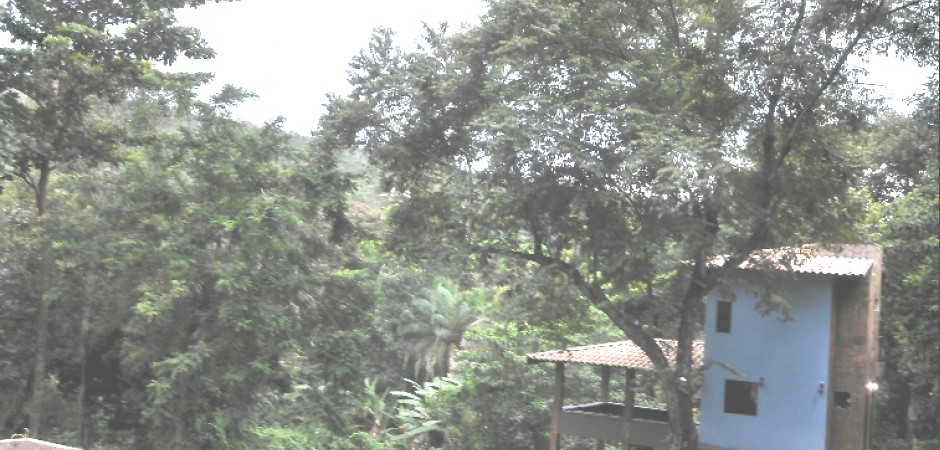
point(847, 260)
point(615, 354)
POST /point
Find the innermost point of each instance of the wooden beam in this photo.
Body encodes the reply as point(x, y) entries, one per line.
point(628, 400)
point(555, 442)
point(605, 396)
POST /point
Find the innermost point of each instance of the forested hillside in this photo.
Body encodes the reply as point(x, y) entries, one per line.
point(558, 174)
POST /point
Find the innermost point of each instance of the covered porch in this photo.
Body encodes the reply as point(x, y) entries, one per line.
point(606, 421)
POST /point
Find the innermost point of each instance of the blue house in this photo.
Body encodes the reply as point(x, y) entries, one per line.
point(791, 351)
point(790, 359)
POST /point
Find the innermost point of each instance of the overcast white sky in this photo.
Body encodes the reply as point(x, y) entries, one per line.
point(292, 53)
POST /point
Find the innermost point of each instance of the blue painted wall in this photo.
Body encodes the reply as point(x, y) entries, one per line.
point(793, 358)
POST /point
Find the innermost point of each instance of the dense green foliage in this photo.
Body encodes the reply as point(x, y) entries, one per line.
point(67, 56)
point(556, 175)
point(907, 218)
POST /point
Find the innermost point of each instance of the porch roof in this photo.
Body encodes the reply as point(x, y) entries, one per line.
point(616, 354)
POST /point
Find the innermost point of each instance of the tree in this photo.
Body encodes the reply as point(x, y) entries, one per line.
point(904, 186)
point(67, 55)
point(444, 316)
point(623, 145)
point(15, 352)
point(192, 275)
point(231, 236)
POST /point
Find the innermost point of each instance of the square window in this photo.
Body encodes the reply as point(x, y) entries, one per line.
point(741, 397)
point(723, 322)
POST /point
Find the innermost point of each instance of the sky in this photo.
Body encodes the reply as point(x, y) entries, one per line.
point(292, 53)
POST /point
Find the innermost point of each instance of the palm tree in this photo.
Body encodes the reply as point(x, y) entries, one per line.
point(444, 315)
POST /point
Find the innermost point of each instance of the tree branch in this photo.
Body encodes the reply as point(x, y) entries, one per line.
point(828, 81)
point(631, 328)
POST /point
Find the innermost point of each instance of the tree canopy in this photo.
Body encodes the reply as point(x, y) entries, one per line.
point(623, 144)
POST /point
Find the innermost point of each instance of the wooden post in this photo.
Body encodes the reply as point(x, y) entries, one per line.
point(555, 442)
point(628, 400)
point(605, 396)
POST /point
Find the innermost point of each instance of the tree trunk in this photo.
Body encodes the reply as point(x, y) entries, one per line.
point(445, 364)
point(42, 318)
point(39, 365)
point(905, 403)
point(678, 387)
point(679, 401)
point(84, 435)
